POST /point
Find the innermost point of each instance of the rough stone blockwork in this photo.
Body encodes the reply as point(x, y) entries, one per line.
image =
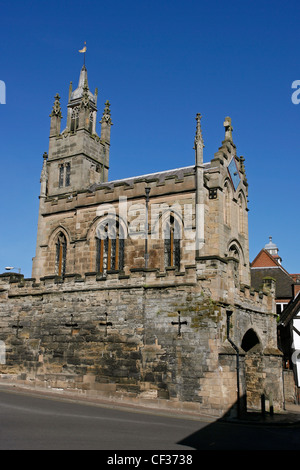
point(122, 338)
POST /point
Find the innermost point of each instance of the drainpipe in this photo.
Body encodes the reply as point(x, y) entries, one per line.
point(147, 190)
point(229, 313)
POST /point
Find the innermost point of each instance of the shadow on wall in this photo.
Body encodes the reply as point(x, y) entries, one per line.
point(252, 431)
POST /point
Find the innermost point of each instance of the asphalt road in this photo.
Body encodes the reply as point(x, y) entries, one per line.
point(29, 422)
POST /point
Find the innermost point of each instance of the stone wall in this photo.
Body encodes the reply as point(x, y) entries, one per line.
point(120, 337)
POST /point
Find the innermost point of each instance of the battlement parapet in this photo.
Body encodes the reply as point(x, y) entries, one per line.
point(131, 188)
point(17, 285)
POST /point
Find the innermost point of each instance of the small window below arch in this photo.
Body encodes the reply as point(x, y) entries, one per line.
point(234, 252)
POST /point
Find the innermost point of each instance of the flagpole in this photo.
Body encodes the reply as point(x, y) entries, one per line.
point(84, 51)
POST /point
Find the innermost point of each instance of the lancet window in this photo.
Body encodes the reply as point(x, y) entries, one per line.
point(172, 236)
point(241, 218)
point(68, 174)
point(91, 122)
point(227, 202)
point(61, 176)
point(74, 119)
point(61, 255)
point(109, 247)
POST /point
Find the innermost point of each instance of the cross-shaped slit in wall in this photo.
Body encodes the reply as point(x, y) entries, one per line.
point(179, 323)
point(73, 325)
point(105, 323)
point(17, 327)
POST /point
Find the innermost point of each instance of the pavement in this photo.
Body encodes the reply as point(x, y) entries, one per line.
point(290, 416)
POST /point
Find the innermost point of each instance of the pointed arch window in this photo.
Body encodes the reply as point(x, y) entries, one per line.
point(227, 197)
point(68, 174)
point(91, 122)
point(250, 339)
point(74, 119)
point(172, 238)
point(61, 255)
point(109, 247)
point(241, 217)
point(61, 176)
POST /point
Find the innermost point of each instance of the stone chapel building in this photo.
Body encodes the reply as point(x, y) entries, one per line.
point(141, 287)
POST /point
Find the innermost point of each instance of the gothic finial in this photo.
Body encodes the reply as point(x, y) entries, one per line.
point(44, 174)
point(242, 169)
point(198, 136)
point(56, 110)
point(228, 129)
point(106, 117)
point(85, 95)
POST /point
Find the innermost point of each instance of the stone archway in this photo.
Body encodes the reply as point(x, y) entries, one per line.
point(254, 369)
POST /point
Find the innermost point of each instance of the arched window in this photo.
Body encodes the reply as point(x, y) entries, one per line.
point(74, 119)
point(61, 176)
point(234, 253)
point(91, 122)
point(68, 174)
point(241, 217)
point(227, 197)
point(172, 236)
point(249, 340)
point(109, 247)
point(61, 255)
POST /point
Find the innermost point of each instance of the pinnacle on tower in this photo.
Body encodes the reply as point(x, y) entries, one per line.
point(198, 144)
point(228, 129)
point(106, 123)
point(198, 136)
point(56, 117)
point(56, 110)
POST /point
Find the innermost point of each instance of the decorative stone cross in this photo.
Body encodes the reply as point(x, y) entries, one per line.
point(71, 324)
point(105, 323)
point(17, 327)
point(179, 323)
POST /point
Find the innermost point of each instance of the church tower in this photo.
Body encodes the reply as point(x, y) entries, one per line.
point(78, 157)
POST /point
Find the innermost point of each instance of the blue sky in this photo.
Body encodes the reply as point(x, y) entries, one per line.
point(158, 63)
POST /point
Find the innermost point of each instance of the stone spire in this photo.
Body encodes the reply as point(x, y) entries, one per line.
point(82, 89)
